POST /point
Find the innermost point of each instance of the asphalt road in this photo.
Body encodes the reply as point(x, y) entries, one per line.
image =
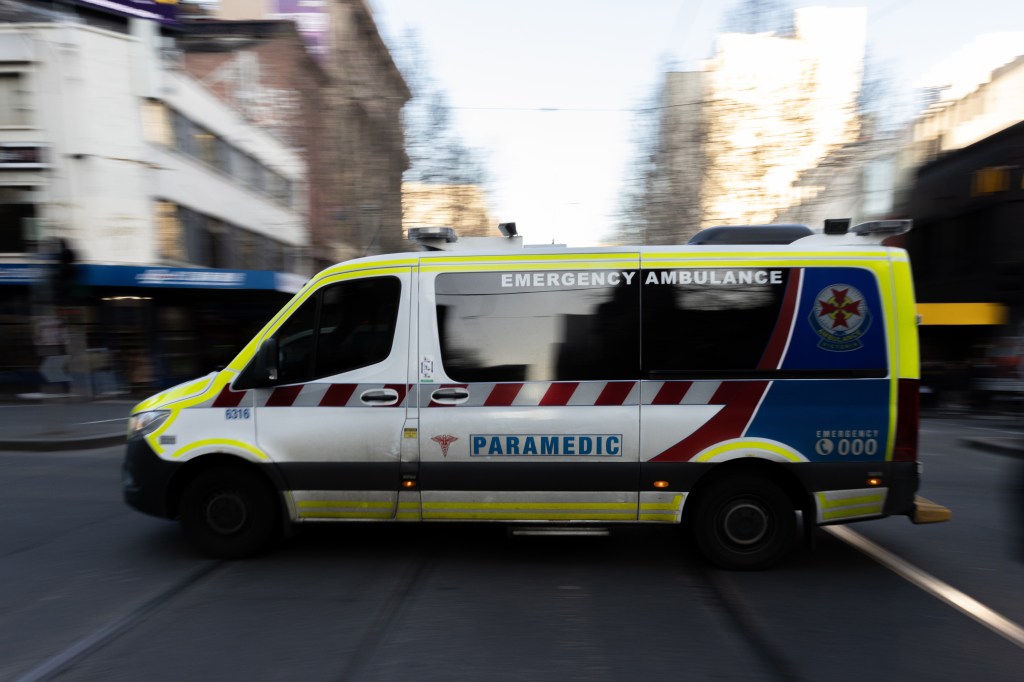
point(96, 591)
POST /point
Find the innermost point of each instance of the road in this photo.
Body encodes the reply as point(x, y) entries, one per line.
point(96, 591)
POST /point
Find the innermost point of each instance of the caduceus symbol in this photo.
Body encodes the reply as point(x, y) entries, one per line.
point(444, 442)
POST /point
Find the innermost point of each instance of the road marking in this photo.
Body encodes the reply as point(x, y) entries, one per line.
point(968, 605)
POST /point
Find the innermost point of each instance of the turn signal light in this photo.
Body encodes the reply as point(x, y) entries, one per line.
point(874, 480)
point(409, 484)
point(661, 484)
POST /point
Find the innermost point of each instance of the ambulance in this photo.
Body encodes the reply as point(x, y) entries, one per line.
point(748, 386)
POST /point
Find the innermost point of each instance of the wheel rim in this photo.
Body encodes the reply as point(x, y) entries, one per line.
point(745, 523)
point(226, 512)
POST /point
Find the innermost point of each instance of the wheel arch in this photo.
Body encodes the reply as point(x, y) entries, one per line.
point(193, 467)
point(780, 474)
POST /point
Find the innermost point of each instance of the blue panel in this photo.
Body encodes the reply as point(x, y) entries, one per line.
point(839, 322)
point(827, 420)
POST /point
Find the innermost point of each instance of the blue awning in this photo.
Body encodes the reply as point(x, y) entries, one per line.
point(166, 278)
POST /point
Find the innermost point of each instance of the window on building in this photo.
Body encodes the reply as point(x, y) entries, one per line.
point(13, 99)
point(990, 180)
point(206, 146)
point(184, 131)
point(156, 123)
point(169, 233)
point(557, 326)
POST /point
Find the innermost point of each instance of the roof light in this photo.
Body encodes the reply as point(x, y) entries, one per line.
point(425, 234)
point(884, 228)
point(508, 229)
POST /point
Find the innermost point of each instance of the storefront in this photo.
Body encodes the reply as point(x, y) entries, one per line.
point(130, 330)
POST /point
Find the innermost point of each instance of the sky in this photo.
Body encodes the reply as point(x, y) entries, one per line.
point(547, 89)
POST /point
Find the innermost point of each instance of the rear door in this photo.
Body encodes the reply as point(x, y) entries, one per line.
point(529, 398)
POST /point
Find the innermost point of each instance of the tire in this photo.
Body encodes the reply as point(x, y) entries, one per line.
point(744, 524)
point(229, 512)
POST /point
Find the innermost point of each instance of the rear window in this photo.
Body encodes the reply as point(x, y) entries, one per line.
point(544, 326)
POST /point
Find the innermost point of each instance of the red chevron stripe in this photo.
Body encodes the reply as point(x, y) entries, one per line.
point(740, 399)
point(229, 398)
point(337, 395)
point(284, 396)
point(558, 394)
point(772, 358)
point(672, 392)
point(615, 393)
point(503, 395)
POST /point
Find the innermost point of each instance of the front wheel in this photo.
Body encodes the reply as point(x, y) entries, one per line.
point(744, 524)
point(229, 512)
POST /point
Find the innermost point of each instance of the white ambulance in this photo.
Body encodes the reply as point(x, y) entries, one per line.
point(734, 385)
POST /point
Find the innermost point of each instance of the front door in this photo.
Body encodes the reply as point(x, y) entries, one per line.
point(334, 420)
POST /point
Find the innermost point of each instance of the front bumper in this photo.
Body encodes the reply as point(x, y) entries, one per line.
point(146, 479)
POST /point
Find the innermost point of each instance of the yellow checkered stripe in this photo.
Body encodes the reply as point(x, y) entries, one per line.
point(324, 505)
point(661, 507)
point(345, 509)
point(840, 505)
point(531, 511)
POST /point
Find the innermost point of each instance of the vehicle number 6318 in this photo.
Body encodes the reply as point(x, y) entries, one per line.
point(236, 413)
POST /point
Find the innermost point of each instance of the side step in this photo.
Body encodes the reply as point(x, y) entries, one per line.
point(926, 511)
point(592, 531)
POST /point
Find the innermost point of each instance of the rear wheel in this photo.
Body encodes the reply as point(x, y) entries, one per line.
point(229, 512)
point(745, 524)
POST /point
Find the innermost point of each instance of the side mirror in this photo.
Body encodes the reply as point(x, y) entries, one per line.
point(262, 370)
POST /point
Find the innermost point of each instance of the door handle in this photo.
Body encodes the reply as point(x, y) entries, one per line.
point(379, 396)
point(450, 396)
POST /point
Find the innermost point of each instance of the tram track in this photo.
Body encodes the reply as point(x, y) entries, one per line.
point(85, 647)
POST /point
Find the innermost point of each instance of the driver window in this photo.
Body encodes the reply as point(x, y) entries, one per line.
point(354, 325)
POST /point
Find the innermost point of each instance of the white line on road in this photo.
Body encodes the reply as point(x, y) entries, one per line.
point(932, 585)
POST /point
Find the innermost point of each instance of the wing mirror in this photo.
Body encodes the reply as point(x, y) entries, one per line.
point(262, 370)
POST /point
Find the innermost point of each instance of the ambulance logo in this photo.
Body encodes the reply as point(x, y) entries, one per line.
point(444, 442)
point(840, 317)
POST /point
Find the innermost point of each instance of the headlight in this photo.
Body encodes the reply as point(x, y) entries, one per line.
point(146, 422)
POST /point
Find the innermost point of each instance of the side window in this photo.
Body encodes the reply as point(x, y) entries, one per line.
point(762, 322)
point(539, 326)
point(357, 324)
point(342, 327)
point(699, 322)
point(295, 343)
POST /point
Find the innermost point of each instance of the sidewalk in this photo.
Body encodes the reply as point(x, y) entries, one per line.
point(60, 425)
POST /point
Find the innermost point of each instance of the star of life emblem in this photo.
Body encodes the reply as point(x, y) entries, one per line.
point(840, 317)
point(444, 442)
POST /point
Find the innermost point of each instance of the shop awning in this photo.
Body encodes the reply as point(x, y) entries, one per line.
point(176, 278)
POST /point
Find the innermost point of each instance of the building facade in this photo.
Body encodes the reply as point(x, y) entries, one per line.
point(145, 226)
point(740, 136)
point(362, 137)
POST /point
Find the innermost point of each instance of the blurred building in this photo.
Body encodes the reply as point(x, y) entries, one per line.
point(167, 179)
point(967, 248)
point(362, 141)
point(263, 70)
point(145, 225)
point(740, 136)
point(463, 207)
